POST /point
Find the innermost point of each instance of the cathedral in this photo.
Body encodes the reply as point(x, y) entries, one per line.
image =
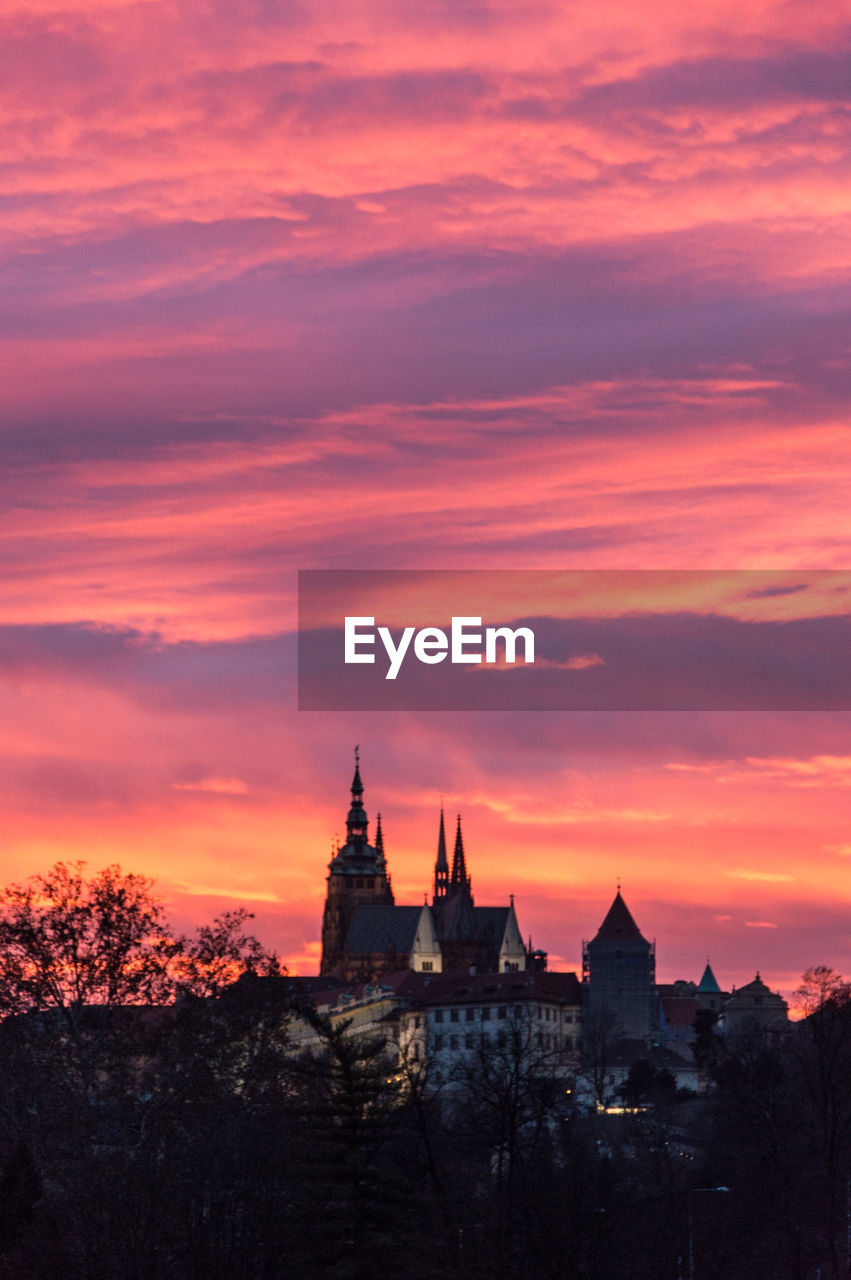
point(366, 935)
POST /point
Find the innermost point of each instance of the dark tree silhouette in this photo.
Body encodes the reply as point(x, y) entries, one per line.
point(67, 942)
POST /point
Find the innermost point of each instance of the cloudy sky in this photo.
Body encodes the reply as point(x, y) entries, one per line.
point(472, 285)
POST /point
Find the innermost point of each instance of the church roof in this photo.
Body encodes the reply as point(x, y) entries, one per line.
point(458, 917)
point(619, 925)
point(755, 988)
point(491, 923)
point(380, 927)
point(454, 988)
point(678, 1011)
point(755, 991)
point(708, 984)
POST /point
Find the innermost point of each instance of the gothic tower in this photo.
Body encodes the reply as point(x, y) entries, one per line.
point(357, 873)
point(441, 867)
point(619, 974)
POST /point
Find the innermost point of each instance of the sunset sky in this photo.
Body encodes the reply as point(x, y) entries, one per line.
point(441, 284)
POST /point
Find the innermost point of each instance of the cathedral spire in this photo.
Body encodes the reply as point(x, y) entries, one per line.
point(357, 785)
point(356, 822)
point(441, 866)
point(459, 866)
point(379, 841)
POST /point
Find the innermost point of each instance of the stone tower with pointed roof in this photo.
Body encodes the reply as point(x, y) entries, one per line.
point(357, 874)
point(709, 994)
point(619, 973)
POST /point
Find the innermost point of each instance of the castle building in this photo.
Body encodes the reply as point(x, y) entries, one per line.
point(754, 1006)
point(619, 974)
point(357, 877)
point(365, 934)
point(454, 1020)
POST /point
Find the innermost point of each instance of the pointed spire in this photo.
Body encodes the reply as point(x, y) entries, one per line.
point(459, 866)
point(708, 984)
point(357, 785)
point(356, 822)
point(619, 925)
point(379, 836)
point(441, 866)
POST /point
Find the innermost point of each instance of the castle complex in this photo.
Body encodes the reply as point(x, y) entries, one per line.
point(365, 934)
point(449, 959)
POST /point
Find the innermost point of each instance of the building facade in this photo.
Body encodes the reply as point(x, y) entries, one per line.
point(365, 934)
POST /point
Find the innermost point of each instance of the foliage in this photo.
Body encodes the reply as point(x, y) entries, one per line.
point(601, 1033)
point(66, 942)
point(192, 1139)
point(221, 953)
point(646, 1083)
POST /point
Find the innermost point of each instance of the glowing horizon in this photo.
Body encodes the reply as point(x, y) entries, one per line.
point(478, 286)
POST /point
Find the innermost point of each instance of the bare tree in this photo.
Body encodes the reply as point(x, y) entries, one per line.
point(600, 1035)
point(221, 953)
point(510, 1083)
point(67, 942)
point(823, 1053)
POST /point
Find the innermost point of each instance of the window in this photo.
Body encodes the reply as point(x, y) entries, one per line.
point(471, 1013)
point(486, 1015)
point(438, 1015)
point(503, 1012)
point(417, 1022)
point(468, 1041)
point(438, 1042)
point(511, 966)
point(453, 1015)
point(427, 966)
point(360, 884)
point(453, 1042)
